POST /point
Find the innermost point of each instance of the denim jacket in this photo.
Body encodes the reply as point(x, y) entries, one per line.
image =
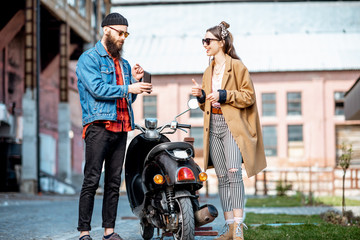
point(97, 86)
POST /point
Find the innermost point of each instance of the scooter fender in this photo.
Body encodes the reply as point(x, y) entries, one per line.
point(168, 168)
point(150, 170)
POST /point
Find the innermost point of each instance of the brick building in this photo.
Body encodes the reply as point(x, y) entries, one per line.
point(302, 56)
point(40, 131)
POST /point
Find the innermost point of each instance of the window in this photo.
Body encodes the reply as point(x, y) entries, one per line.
point(150, 106)
point(94, 16)
point(295, 133)
point(268, 104)
point(72, 2)
point(82, 7)
point(293, 103)
point(339, 103)
point(270, 140)
point(196, 113)
point(197, 134)
point(295, 141)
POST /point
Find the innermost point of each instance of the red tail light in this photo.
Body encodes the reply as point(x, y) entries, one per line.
point(185, 174)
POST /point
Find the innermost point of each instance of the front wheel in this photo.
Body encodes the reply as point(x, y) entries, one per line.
point(146, 231)
point(186, 229)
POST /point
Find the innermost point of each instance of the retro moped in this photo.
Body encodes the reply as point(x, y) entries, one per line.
point(162, 180)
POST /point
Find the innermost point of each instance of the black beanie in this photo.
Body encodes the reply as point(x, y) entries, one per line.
point(114, 19)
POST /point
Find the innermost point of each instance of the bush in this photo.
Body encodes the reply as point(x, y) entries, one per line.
point(334, 217)
point(282, 188)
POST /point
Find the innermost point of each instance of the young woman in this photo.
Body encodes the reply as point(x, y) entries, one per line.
point(232, 132)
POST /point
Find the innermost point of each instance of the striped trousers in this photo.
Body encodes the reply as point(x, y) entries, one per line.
point(226, 155)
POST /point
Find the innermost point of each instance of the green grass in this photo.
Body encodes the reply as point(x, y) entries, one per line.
point(314, 228)
point(336, 201)
point(253, 218)
point(297, 201)
point(276, 201)
point(302, 232)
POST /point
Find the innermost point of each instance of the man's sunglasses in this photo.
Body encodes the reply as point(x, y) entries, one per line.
point(126, 34)
point(208, 40)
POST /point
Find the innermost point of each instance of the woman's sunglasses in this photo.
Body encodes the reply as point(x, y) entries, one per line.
point(126, 34)
point(208, 40)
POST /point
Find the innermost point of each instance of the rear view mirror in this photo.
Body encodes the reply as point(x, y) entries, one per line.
point(193, 104)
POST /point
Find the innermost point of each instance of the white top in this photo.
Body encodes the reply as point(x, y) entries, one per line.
point(216, 82)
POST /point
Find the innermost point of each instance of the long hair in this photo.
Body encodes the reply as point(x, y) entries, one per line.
point(221, 33)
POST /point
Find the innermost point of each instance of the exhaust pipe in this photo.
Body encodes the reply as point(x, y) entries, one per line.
point(206, 214)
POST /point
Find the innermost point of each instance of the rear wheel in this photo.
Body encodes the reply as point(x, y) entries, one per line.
point(146, 231)
point(186, 230)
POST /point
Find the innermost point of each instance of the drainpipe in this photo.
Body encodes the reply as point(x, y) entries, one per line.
point(38, 62)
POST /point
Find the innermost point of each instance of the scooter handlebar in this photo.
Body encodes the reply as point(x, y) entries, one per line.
point(139, 128)
point(184, 125)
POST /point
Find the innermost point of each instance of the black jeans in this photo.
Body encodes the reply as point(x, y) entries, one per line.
point(101, 145)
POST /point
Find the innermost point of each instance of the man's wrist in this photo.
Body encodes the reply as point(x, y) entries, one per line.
point(129, 88)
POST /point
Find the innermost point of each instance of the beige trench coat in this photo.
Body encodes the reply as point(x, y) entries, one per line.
point(240, 113)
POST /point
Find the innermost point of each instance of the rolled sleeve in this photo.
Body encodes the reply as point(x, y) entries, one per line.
point(222, 96)
point(202, 98)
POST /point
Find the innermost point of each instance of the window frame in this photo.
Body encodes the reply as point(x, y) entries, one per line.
point(297, 111)
point(146, 104)
point(339, 101)
point(267, 103)
point(197, 145)
point(271, 147)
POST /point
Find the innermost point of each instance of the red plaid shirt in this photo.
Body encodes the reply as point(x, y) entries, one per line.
point(122, 123)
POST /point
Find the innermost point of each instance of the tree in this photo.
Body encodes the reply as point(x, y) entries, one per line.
point(344, 163)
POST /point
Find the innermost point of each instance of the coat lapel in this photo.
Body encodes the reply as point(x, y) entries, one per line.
point(226, 71)
point(208, 87)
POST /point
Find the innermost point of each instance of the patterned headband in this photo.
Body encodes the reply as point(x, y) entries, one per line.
point(224, 31)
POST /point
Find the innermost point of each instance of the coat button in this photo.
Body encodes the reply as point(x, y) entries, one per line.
point(207, 112)
point(206, 129)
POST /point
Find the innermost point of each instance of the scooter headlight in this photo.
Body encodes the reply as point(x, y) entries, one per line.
point(159, 179)
point(203, 176)
point(185, 174)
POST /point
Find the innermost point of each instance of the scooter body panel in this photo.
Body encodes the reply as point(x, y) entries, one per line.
point(168, 167)
point(137, 151)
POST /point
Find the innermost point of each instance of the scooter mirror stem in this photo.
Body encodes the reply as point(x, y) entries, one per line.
point(139, 128)
point(182, 113)
point(192, 104)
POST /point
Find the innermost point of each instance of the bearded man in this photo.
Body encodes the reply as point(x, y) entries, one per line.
point(107, 87)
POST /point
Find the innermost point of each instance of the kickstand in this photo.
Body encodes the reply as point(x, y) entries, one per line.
point(162, 235)
point(158, 235)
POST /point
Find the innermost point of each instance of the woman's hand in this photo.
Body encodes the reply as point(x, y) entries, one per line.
point(213, 97)
point(196, 89)
point(137, 72)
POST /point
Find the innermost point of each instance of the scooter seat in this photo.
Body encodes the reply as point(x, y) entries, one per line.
point(168, 146)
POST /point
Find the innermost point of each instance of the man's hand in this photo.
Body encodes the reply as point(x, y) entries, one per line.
point(140, 87)
point(196, 89)
point(137, 72)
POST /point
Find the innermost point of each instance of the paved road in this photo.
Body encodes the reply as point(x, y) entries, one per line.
point(55, 217)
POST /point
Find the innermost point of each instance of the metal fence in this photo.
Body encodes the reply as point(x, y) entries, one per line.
point(320, 181)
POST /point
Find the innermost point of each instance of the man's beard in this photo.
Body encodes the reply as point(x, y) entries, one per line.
point(114, 50)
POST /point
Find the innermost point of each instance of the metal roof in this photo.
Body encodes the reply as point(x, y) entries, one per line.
point(306, 36)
